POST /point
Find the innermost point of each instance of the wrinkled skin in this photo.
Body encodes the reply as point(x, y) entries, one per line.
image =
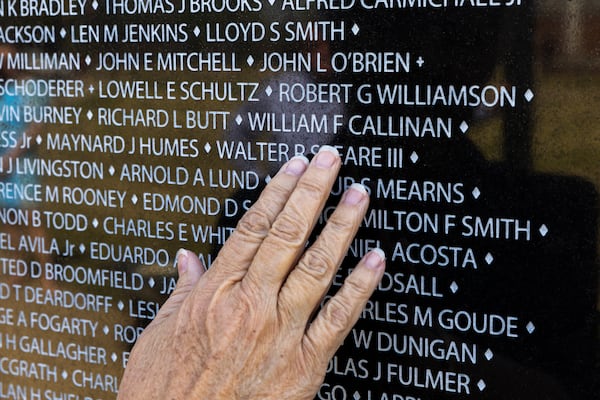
point(241, 329)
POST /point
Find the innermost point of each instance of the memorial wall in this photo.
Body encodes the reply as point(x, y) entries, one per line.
point(131, 128)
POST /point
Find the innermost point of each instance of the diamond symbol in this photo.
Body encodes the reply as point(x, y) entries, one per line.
point(82, 248)
point(250, 60)
point(355, 29)
point(63, 33)
point(134, 199)
point(268, 179)
point(197, 31)
point(268, 91)
point(356, 395)
point(105, 330)
point(65, 374)
point(529, 95)
point(88, 59)
point(91, 88)
point(481, 385)
point(121, 306)
point(151, 282)
point(476, 193)
point(489, 354)
point(239, 119)
point(111, 170)
point(38, 139)
point(530, 327)
point(95, 5)
point(90, 115)
point(95, 223)
point(464, 127)
point(271, 2)
point(543, 230)
point(454, 287)
point(113, 357)
point(489, 258)
point(207, 147)
point(414, 157)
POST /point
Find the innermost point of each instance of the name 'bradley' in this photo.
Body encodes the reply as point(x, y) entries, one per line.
point(45, 8)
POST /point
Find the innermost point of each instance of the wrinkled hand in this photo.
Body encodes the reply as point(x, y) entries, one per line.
point(242, 329)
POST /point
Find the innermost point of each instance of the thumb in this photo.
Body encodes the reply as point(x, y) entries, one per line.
point(190, 270)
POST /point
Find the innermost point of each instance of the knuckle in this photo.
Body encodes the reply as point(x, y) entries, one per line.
point(311, 189)
point(278, 191)
point(255, 305)
point(342, 222)
point(356, 289)
point(317, 262)
point(250, 290)
point(338, 314)
point(255, 222)
point(290, 228)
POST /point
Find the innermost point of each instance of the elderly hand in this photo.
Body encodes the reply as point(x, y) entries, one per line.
point(243, 329)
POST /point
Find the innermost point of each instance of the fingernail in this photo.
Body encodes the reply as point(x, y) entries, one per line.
point(375, 259)
point(297, 165)
point(355, 194)
point(326, 156)
point(181, 261)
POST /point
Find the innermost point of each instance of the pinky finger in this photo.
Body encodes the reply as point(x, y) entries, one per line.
point(335, 320)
